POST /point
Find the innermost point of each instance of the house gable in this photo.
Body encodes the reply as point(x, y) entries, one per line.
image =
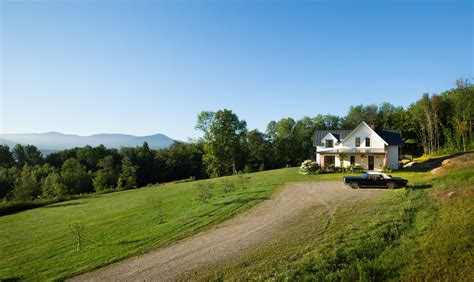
point(330, 137)
point(363, 131)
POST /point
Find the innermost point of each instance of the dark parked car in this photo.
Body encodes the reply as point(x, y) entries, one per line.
point(374, 179)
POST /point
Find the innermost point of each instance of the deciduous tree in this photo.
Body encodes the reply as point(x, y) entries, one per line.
point(224, 135)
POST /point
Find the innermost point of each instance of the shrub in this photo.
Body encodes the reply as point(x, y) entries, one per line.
point(248, 168)
point(227, 186)
point(355, 168)
point(204, 191)
point(386, 169)
point(243, 180)
point(309, 167)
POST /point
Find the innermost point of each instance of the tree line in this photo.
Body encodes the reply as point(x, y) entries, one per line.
point(434, 124)
point(25, 174)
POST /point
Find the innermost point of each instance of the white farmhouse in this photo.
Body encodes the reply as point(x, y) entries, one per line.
point(363, 146)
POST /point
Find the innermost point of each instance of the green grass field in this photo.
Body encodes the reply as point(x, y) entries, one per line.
point(423, 233)
point(39, 244)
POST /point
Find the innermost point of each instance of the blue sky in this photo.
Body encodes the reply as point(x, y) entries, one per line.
point(143, 67)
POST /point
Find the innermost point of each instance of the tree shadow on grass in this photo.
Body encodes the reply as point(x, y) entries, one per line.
point(10, 279)
point(374, 188)
point(65, 205)
point(126, 242)
point(420, 186)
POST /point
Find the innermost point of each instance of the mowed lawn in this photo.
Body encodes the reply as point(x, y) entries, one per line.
point(40, 244)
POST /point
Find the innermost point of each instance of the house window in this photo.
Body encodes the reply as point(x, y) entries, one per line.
point(367, 142)
point(329, 161)
point(357, 142)
point(353, 160)
point(329, 143)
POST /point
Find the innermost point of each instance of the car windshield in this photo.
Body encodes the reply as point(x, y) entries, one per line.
point(386, 176)
point(365, 175)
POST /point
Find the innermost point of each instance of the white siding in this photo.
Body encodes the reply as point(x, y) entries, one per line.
point(329, 136)
point(347, 160)
point(378, 162)
point(364, 132)
point(392, 156)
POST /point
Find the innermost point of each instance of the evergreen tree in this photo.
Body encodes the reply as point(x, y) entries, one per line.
point(6, 156)
point(8, 177)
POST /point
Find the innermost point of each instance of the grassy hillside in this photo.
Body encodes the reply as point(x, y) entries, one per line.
point(422, 233)
point(40, 243)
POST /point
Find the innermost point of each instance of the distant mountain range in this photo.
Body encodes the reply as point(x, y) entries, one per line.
point(55, 141)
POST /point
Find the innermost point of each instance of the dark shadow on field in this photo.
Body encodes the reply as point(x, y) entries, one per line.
point(375, 188)
point(420, 186)
point(410, 186)
point(10, 279)
point(242, 201)
point(126, 242)
point(65, 205)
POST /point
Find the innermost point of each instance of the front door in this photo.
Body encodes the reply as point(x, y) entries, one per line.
point(371, 162)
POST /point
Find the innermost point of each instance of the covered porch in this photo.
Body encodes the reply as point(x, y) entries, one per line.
point(369, 160)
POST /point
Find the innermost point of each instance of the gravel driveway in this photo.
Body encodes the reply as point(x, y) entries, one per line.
point(229, 238)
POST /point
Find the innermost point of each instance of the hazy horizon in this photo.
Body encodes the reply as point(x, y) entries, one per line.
point(81, 135)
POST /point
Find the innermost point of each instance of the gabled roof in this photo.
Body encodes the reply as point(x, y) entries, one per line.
point(333, 135)
point(338, 134)
point(367, 126)
point(391, 137)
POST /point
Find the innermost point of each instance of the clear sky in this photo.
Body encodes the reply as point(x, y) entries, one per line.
point(145, 67)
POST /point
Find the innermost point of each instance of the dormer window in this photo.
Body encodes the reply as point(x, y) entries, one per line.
point(367, 142)
point(357, 142)
point(329, 143)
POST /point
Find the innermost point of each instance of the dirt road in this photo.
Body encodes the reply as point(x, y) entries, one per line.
point(228, 239)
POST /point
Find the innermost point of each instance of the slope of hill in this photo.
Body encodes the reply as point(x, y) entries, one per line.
point(59, 141)
point(423, 232)
point(40, 244)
